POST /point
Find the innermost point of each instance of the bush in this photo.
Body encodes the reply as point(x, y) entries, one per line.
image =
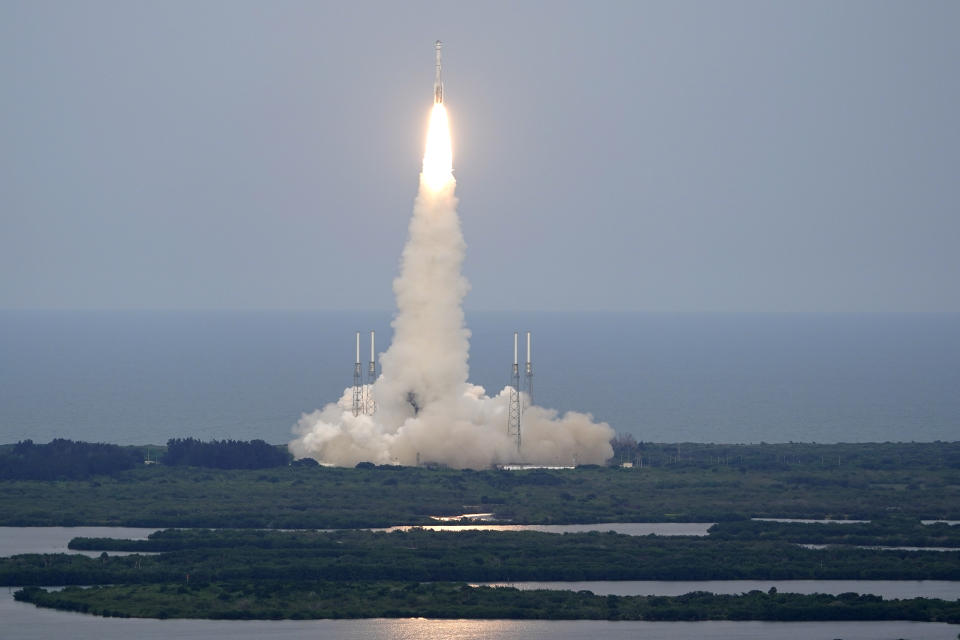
point(224, 454)
point(65, 459)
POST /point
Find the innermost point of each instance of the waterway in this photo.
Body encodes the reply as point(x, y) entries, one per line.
point(628, 528)
point(879, 547)
point(15, 540)
point(809, 521)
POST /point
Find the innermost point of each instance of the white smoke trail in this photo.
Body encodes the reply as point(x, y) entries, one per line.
point(426, 408)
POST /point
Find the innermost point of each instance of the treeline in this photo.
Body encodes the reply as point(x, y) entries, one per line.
point(786, 456)
point(894, 532)
point(477, 556)
point(62, 459)
point(65, 460)
point(224, 454)
point(296, 496)
point(314, 600)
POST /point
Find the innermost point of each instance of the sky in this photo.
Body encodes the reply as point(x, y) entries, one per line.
point(648, 156)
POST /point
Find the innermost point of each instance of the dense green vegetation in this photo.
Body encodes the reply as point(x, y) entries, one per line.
point(224, 454)
point(251, 572)
point(481, 556)
point(894, 532)
point(784, 456)
point(65, 459)
point(919, 482)
point(266, 600)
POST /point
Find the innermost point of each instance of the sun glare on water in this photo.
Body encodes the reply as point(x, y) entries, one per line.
point(438, 157)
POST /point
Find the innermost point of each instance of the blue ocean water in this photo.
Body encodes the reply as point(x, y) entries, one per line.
point(146, 376)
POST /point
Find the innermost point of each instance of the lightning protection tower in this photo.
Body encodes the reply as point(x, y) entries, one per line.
point(529, 373)
point(515, 411)
point(371, 405)
point(357, 382)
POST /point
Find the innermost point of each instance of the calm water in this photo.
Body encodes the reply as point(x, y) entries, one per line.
point(14, 540)
point(26, 622)
point(883, 548)
point(627, 528)
point(828, 521)
point(143, 377)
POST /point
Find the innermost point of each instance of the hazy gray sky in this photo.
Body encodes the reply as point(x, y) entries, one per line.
point(652, 156)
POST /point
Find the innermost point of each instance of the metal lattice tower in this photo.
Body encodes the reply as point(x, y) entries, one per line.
point(357, 382)
point(529, 374)
point(371, 405)
point(515, 411)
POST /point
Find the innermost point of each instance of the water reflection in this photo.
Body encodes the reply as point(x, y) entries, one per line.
point(809, 521)
point(876, 547)
point(627, 528)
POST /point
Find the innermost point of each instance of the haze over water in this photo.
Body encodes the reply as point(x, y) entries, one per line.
point(144, 377)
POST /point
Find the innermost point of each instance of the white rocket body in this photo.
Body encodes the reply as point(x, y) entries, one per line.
point(438, 81)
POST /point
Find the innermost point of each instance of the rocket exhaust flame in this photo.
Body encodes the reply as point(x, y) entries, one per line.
point(426, 408)
point(438, 155)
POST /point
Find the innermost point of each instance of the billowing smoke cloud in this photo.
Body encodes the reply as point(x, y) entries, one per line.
point(426, 408)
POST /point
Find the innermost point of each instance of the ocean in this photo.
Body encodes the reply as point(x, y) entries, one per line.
point(141, 377)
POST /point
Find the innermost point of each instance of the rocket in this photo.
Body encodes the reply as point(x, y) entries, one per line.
point(438, 81)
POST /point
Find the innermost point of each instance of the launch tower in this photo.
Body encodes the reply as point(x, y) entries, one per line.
point(357, 382)
point(515, 411)
point(371, 406)
point(529, 373)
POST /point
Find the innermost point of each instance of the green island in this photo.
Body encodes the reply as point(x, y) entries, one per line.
point(886, 532)
point(248, 569)
point(452, 600)
point(479, 556)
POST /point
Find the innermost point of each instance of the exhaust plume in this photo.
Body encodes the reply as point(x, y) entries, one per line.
point(426, 408)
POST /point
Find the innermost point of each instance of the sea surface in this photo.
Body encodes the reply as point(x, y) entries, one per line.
point(141, 377)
